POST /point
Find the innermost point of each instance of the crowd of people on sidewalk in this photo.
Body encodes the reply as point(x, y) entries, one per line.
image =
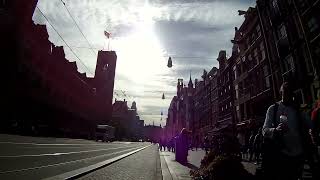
point(288, 139)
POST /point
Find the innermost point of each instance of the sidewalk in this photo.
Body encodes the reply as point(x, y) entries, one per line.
point(173, 170)
point(250, 167)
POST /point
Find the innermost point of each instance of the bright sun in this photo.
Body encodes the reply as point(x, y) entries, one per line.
point(140, 55)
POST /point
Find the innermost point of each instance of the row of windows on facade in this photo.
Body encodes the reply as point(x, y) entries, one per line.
point(226, 107)
point(312, 22)
point(249, 61)
point(250, 85)
point(255, 34)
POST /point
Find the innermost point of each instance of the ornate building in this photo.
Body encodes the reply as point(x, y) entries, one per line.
point(292, 30)
point(181, 110)
point(252, 75)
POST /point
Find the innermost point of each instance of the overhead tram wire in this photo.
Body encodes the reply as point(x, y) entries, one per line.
point(64, 41)
point(74, 21)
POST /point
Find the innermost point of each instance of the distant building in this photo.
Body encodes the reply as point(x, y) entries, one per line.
point(225, 91)
point(126, 121)
point(153, 133)
point(181, 110)
point(202, 109)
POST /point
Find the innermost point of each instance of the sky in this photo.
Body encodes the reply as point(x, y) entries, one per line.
point(144, 33)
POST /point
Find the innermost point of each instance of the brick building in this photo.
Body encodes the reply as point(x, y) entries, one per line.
point(252, 78)
point(45, 94)
point(225, 91)
point(181, 112)
point(292, 30)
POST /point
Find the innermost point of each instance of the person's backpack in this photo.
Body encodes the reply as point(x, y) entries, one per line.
point(270, 150)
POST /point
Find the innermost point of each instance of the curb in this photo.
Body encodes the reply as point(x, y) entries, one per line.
point(166, 173)
point(86, 170)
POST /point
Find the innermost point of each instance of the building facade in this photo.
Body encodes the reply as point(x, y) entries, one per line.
point(292, 30)
point(181, 112)
point(251, 70)
point(45, 94)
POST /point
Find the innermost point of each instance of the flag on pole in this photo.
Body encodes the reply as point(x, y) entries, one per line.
point(107, 34)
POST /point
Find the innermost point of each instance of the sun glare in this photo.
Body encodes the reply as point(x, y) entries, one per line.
point(140, 55)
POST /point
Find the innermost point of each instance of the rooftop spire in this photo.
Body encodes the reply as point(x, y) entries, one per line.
point(190, 84)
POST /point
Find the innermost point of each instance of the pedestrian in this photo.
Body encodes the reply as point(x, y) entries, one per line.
point(206, 143)
point(250, 145)
point(242, 142)
point(314, 158)
point(257, 143)
point(315, 120)
point(285, 136)
point(184, 145)
point(160, 144)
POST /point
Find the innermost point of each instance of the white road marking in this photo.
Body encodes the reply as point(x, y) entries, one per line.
point(64, 163)
point(82, 171)
point(60, 144)
point(60, 153)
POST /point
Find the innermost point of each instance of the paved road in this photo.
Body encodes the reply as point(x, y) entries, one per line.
point(37, 158)
point(144, 165)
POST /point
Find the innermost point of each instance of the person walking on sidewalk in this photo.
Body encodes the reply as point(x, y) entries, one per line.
point(315, 157)
point(287, 131)
point(257, 143)
point(251, 146)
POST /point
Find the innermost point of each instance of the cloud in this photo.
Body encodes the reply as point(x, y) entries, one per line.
point(144, 34)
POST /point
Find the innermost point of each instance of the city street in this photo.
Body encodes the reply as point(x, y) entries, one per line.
point(38, 158)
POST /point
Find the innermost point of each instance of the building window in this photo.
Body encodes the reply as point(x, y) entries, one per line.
point(265, 70)
point(307, 59)
point(313, 24)
point(263, 53)
point(256, 58)
point(235, 72)
point(288, 63)
point(236, 87)
point(283, 42)
point(303, 5)
point(258, 30)
point(282, 32)
point(275, 6)
point(2, 3)
point(248, 43)
point(267, 81)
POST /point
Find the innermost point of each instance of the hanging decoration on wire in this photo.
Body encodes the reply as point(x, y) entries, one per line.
point(169, 62)
point(163, 97)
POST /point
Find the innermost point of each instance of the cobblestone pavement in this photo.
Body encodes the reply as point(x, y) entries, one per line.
point(144, 165)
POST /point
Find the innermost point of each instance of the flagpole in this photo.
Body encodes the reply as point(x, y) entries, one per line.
point(108, 44)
